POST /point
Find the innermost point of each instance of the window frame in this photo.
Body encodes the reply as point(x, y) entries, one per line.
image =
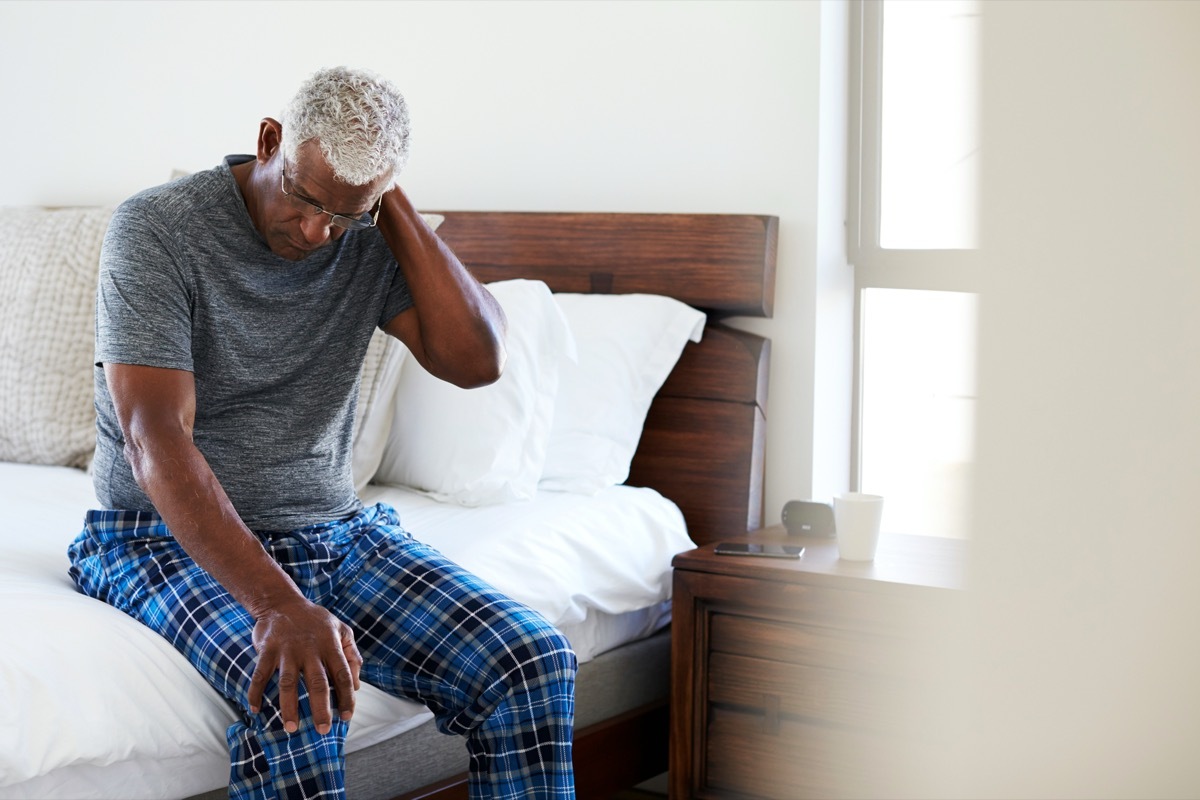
point(876, 267)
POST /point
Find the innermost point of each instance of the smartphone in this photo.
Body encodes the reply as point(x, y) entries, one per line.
point(756, 549)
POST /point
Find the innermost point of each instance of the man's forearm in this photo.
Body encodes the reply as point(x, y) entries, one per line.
point(459, 335)
point(179, 482)
point(295, 638)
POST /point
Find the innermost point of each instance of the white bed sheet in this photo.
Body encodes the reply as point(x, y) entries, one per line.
point(597, 567)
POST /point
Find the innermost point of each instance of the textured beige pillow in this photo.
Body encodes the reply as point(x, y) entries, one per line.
point(48, 264)
point(376, 390)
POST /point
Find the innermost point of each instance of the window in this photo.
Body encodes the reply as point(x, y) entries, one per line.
point(913, 234)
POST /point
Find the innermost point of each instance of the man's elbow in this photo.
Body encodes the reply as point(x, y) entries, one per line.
point(152, 453)
point(485, 370)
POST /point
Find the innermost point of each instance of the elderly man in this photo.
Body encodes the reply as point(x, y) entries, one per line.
point(234, 309)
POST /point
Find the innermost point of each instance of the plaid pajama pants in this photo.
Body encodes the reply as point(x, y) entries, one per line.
point(488, 667)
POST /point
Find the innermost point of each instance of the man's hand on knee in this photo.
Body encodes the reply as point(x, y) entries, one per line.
point(302, 640)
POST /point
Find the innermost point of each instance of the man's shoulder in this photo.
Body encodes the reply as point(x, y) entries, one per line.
point(175, 203)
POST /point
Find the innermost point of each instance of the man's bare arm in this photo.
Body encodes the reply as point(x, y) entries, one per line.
point(455, 328)
point(156, 409)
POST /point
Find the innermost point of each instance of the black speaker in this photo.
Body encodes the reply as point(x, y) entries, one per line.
point(808, 517)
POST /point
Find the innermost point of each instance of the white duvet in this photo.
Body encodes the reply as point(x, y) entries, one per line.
point(98, 706)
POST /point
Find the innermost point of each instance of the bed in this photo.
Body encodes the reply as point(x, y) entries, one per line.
point(693, 473)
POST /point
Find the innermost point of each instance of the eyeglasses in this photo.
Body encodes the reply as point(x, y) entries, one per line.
point(359, 223)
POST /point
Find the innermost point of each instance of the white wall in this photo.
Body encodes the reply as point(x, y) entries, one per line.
point(583, 106)
point(1082, 674)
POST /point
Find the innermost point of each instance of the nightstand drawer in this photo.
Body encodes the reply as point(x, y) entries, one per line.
point(803, 644)
point(776, 692)
point(802, 760)
point(821, 606)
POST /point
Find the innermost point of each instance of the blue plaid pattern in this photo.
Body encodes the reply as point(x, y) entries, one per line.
point(489, 668)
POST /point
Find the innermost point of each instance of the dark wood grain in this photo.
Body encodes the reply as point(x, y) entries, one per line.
point(703, 444)
point(622, 752)
point(727, 364)
point(707, 457)
point(689, 638)
point(721, 263)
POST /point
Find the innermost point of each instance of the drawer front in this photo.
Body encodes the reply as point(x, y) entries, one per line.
point(874, 612)
point(776, 691)
point(809, 645)
point(802, 760)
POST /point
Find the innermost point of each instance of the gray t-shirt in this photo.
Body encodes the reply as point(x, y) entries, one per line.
point(275, 346)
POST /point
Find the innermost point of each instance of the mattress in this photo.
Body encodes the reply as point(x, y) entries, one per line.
point(109, 709)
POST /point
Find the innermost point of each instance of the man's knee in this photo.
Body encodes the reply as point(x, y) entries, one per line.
point(545, 657)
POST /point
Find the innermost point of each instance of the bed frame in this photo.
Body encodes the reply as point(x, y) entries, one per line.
point(702, 447)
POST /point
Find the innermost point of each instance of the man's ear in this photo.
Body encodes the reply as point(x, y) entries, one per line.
point(270, 138)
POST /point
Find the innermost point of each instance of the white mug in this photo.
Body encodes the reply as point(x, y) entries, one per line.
point(856, 517)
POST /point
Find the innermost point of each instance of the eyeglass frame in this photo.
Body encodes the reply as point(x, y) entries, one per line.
point(341, 220)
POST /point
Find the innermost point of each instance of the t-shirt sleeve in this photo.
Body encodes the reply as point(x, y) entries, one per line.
point(143, 300)
point(398, 297)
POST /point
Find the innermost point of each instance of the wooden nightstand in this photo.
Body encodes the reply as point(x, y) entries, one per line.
point(806, 678)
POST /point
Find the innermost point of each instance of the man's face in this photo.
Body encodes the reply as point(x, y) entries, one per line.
point(292, 224)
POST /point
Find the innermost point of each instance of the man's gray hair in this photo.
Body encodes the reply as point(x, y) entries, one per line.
point(359, 119)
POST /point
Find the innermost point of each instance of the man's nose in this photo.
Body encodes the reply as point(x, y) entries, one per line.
point(315, 228)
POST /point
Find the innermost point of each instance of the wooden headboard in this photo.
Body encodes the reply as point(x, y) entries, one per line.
point(703, 443)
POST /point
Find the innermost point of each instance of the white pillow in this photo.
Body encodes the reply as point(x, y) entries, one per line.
point(378, 380)
point(481, 446)
point(627, 345)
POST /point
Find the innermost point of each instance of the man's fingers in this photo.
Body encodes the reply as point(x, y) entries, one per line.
point(289, 697)
point(327, 664)
point(345, 683)
point(353, 657)
point(344, 670)
point(317, 681)
point(263, 670)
